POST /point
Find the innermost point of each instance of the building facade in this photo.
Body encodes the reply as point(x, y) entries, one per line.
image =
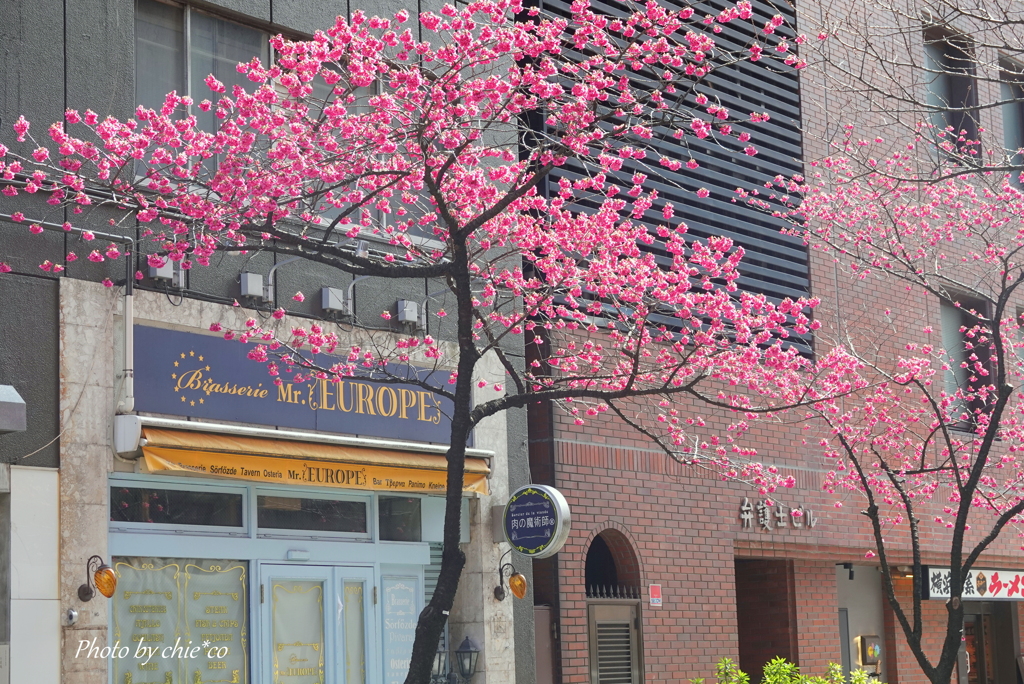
point(670, 567)
point(258, 533)
point(296, 530)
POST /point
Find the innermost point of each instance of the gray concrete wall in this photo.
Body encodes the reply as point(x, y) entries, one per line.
point(28, 361)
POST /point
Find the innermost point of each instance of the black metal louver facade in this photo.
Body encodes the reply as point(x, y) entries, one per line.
point(775, 264)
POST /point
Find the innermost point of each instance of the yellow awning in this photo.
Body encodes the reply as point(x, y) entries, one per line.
point(304, 463)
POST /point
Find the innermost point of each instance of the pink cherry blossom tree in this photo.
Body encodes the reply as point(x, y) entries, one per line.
point(931, 445)
point(439, 151)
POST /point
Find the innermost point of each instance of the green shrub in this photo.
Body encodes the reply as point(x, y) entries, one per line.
point(781, 671)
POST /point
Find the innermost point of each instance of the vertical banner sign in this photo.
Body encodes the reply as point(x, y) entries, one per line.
point(399, 626)
point(536, 521)
point(654, 591)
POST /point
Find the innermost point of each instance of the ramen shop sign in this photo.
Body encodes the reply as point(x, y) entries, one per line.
point(979, 585)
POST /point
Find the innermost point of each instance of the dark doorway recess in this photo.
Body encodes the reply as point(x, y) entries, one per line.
point(765, 613)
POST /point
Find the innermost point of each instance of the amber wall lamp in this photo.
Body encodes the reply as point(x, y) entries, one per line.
point(101, 578)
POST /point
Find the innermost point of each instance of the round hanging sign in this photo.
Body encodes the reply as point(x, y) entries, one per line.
point(536, 521)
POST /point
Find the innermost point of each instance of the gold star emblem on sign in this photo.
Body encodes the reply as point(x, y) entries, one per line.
point(200, 357)
point(192, 403)
point(182, 354)
point(207, 368)
point(174, 376)
point(191, 353)
point(175, 364)
point(201, 401)
point(183, 398)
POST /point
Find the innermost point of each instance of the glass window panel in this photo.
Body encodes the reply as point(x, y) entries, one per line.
point(175, 507)
point(320, 515)
point(217, 46)
point(400, 518)
point(297, 617)
point(159, 52)
point(355, 647)
point(1012, 92)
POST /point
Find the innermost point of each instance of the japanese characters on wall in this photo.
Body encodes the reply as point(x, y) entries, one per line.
point(979, 585)
point(183, 620)
point(767, 516)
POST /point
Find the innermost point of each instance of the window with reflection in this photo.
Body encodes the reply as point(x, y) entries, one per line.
point(318, 515)
point(400, 518)
point(166, 506)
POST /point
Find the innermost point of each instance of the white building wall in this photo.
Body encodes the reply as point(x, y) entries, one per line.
point(35, 604)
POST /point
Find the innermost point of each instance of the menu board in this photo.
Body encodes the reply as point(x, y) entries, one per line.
point(184, 621)
point(214, 612)
point(400, 613)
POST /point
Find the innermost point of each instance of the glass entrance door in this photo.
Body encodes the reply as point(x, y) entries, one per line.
point(316, 623)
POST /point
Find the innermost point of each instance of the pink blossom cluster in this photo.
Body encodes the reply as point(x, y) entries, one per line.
point(371, 130)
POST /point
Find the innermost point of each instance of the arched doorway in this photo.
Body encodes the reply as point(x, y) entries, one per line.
point(612, 576)
point(612, 569)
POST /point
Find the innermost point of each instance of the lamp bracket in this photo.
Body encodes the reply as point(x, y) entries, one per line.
point(505, 570)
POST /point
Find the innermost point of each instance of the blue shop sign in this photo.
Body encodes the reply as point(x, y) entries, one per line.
point(202, 376)
point(536, 521)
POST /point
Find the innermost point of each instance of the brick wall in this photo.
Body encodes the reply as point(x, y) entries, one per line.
point(817, 611)
point(683, 525)
point(683, 521)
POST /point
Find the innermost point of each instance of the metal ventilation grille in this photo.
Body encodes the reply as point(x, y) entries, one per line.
point(432, 571)
point(775, 265)
point(430, 574)
point(614, 653)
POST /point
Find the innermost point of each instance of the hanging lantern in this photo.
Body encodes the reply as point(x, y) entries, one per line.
point(102, 578)
point(105, 580)
point(517, 584)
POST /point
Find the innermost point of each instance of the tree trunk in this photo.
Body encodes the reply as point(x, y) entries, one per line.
point(432, 619)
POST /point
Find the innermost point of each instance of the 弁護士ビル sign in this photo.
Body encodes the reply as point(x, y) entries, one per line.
point(536, 521)
point(201, 376)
